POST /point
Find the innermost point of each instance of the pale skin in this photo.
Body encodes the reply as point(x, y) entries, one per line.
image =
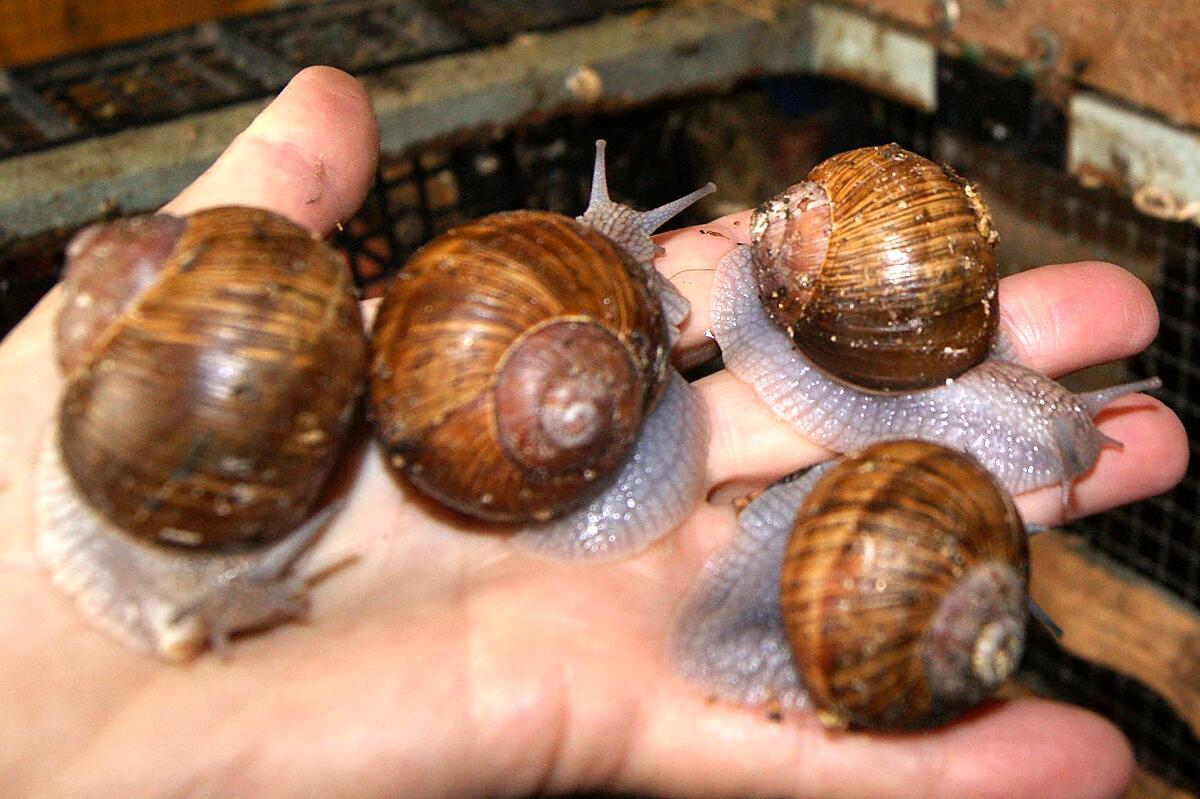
point(444, 662)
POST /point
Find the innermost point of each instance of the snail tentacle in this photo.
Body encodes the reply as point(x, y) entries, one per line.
point(1039, 613)
point(1095, 401)
point(630, 230)
point(660, 482)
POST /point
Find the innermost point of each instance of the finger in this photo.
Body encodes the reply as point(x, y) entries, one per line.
point(1025, 748)
point(310, 155)
point(1064, 317)
point(749, 446)
point(689, 258)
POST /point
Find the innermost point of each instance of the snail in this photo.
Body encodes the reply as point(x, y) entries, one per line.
point(865, 309)
point(885, 591)
point(212, 367)
point(519, 374)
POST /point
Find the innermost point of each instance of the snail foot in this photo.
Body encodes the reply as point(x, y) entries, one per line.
point(167, 602)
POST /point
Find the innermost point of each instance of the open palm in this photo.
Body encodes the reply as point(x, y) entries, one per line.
point(443, 661)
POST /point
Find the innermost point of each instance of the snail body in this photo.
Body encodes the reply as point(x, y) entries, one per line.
point(202, 412)
point(1025, 428)
point(516, 363)
point(884, 591)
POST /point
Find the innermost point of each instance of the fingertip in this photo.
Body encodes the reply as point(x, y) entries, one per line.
point(689, 259)
point(309, 155)
point(332, 80)
point(1052, 315)
point(1153, 457)
point(1035, 748)
point(1163, 451)
point(1138, 311)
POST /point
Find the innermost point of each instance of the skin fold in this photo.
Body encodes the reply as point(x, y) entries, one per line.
point(439, 661)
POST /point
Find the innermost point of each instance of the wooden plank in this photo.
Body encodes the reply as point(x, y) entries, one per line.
point(1112, 617)
point(1142, 51)
point(33, 30)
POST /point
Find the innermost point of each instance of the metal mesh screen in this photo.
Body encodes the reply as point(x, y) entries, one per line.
point(998, 131)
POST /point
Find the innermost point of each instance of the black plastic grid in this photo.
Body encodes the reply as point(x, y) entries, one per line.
point(221, 63)
point(492, 21)
point(104, 91)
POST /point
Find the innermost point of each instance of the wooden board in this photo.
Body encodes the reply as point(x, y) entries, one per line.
point(1141, 51)
point(1118, 620)
point(33, 30)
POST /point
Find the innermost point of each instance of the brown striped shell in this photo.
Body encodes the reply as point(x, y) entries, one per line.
point(213, 364)
point(513, 361)
point(903, 587)
point(880, 268)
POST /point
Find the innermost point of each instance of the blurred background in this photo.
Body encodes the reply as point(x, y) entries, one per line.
point(1080, 124)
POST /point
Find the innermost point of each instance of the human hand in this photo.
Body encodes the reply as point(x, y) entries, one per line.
point(444, 662)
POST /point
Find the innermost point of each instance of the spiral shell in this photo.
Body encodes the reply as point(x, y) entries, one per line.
point(512, 363)
point(880, 268)
point(903, 587)
point(204, 406)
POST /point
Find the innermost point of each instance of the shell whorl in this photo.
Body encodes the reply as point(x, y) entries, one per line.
point(902, 589)
point(562, 392)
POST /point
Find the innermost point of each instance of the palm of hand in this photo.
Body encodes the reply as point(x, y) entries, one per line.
point(443, 661)
point(422, 629)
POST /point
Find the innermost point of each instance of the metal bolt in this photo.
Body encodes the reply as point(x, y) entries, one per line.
point(1044, 47)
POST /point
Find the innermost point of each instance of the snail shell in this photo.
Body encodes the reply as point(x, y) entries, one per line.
point(213, 365)
point(880, 268)
point(903, 587)
point(520, 372)
point(885, 590)
point(513, 361)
